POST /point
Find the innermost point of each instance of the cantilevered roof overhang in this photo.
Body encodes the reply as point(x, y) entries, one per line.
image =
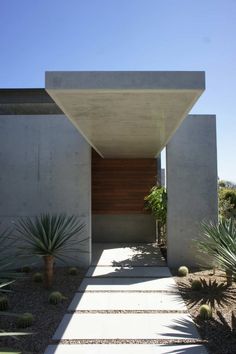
point(126, 114)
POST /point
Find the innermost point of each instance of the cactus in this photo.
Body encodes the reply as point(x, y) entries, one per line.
point(38, 277)
point(73, 271)
point(196, 284)
point(26, 269)
point(25, 320)
point(55, 297)
point(4, 304)
point(205, 312)
point(183, 271)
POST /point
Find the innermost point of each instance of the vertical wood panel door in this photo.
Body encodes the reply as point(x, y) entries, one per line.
point(120, 185)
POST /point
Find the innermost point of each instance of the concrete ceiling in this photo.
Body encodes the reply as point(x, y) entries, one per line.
point(126, 114)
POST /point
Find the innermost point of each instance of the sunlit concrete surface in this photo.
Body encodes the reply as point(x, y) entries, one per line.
point(126, 114)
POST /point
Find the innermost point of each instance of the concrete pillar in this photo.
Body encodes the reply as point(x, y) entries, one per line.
point(45, 167)
point(191, 185)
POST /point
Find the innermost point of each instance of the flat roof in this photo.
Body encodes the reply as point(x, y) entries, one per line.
point(126, 114)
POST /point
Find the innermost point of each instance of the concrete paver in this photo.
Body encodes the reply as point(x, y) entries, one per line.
point(126, 326)
point(125, 349)
point(152, 272)
point(127, 278)
point(127, 255)
point(127, 301)
point(127, 284)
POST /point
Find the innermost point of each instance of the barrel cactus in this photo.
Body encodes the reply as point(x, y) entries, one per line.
point(183, 271)
point(25, 320)
point(73, 271)
point(26, 269)
point(4, 304)
point(205, 312)
point(196, 285)
point(38, 277)
point(55, 297)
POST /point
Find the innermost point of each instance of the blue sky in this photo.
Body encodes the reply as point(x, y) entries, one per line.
point(36, 36)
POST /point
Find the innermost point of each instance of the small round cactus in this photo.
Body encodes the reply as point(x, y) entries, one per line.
point(26, 269)
point(25, 320)
point(73, 271)
point(38, 277)
point(205, 312)
point(196, 285)
point(4, 304)
point(56, 297)
point(183, 271)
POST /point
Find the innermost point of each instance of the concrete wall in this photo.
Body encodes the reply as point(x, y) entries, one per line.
point(124, 228)
point(192, 186)
point(45, 167)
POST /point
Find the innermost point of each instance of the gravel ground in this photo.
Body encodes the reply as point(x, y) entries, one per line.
point(28, 296)
point(218, 332)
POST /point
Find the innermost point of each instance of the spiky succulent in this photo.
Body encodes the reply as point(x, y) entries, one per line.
point(183, 271)
point(73, 271)
point(25, 320)
point(4, 303)
point(205, 312)
point(55, 297)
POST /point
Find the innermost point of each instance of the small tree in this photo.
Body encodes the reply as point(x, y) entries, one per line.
point(156, 202)
point(49, 237)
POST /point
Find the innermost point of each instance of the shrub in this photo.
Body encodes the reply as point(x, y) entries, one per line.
point(49, 236)
point(4, 303)
point(25, 320)
point(73, 271)
point(196, 285)
point(219, 242)
point(205, 312)
point(183, 271)
point(26, 269)
point(55, 297)
point(38, 277)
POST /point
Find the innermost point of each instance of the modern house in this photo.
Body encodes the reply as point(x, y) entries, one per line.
point(89, 144)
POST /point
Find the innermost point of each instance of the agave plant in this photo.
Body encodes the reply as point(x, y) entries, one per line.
point(49, 236)
point(219, 242)
point(7, 276)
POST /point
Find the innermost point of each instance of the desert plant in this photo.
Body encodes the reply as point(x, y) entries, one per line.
point(7, 277)
point(38, 277)
point(73, 271)
point(156, 202)
point(49, 236)
point(219, 242)
point(55, 297)
point(183, 271)
point(25, 320)
point(205, 312)
point(26, 269)
point(4, 303)
point(196, 285)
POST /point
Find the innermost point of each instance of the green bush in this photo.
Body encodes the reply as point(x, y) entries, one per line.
point(196, 285)
point(25, 320)
point(4, 303)
point(55, 297)
point(183, 271)
point(219, 243)
point(205, 312)
point(73, 271)
point(38, 277)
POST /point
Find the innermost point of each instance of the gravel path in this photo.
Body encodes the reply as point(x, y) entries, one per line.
point(28, 296)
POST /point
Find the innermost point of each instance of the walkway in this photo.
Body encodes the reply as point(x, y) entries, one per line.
point(128, 303)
